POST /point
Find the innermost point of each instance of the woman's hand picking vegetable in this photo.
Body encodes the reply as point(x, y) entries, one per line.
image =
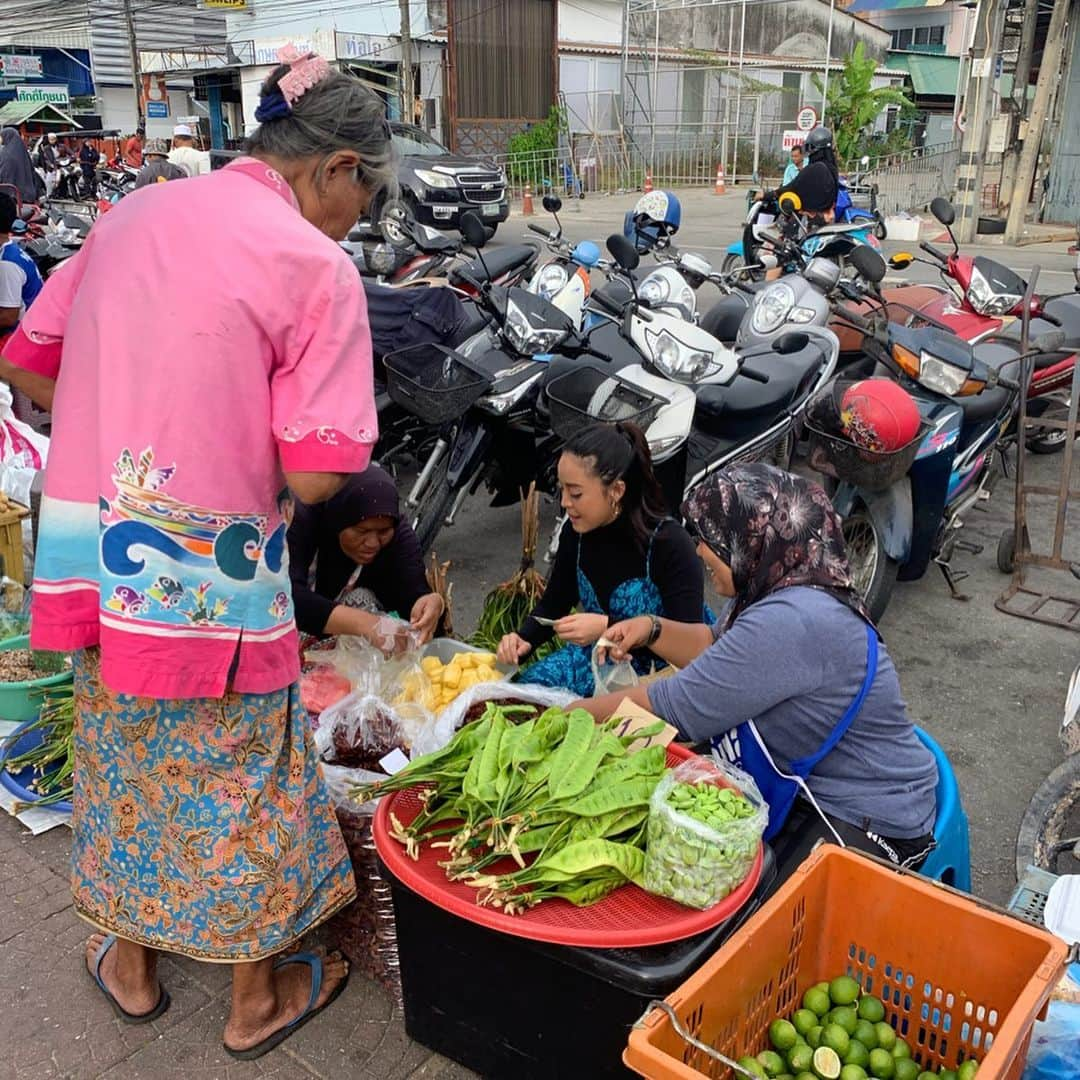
point(425, 616)
point(512, 649)
point(625, 636)
point(583, 629)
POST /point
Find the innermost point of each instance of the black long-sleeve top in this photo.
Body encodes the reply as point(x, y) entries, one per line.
point(611, 555)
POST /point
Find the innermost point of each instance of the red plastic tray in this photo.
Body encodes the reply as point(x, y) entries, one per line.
point(628, 918)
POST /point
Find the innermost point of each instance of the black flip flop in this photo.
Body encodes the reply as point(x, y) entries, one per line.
point(164, 1001)
point(315, 962)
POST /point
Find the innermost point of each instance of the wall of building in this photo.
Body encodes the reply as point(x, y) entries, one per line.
point(117, 107)
point(593, 21)
point(950, 15)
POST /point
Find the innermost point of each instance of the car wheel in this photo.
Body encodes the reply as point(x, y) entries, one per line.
point(388, 213)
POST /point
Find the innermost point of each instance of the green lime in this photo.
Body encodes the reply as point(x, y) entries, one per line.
point(806, 1076)
point(753, 1066)
point(784, 1076)
point(771, 1062)
point(858, 1054)
point(928, 1075)
point(817, 1001)
point(813, 1037)
point(844, 990)
point(906, 1069)
point(782, 1035)
point(886, 1037)
point(948, 1074)
point(882, 1064)
point(800, 1058)
point(836, 1038)
point(870, 1008)
point(852, 1072)
point(824, 985)
point(804, 1020)
point(866, 1034)
point(846, 1017)
point(967, 1070)
point(901, 1049)
point(826, 1063)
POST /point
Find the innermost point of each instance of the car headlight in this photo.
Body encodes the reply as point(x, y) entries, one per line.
point(435, 179)
point(526, 338)
point(677, 361)
point(772, 308)
point(551, 280)
point(984, 300)
point(654, 290)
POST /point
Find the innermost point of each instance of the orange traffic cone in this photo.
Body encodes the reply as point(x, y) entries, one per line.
point(720, 189)
point(526, 202)
point(648, 181)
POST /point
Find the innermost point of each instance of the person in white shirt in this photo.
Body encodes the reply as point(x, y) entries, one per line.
point(184, 154)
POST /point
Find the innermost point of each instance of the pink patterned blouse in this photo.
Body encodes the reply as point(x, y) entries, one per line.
point(205, 339)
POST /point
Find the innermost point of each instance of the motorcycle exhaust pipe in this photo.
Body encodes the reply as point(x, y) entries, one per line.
point(437, 454)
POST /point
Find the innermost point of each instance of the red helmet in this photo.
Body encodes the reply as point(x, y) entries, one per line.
point(879, 415)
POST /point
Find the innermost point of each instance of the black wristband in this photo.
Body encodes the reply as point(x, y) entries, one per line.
point(654, 633)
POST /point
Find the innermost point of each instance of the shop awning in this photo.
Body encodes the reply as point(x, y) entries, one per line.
point(931, 76)
point(15, 113)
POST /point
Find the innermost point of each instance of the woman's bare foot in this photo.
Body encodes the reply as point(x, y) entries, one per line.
point(129, 972)
point(266, 999)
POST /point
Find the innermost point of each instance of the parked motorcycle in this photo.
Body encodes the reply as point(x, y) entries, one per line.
point(564, 279)
point(981, 298)
point(904, 510)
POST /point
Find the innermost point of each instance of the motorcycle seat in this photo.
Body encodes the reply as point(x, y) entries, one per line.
point(746, 408)
point(499, 262)
point(982, 406)
point(1043, 326)
point(1066, 310)
point(725, 317)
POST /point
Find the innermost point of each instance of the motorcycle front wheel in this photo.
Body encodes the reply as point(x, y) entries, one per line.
point(434, 505)
point(873, 571)
point(1050, 828)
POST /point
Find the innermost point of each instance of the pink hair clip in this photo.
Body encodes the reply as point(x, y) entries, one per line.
point(304, 72)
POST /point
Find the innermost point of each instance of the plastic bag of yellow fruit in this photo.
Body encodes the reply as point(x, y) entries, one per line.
point(461, 672)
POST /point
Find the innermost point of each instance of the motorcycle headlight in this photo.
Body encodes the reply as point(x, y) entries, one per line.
point(526, 338)
point(772, 308)
point(801, 315)
point(654, 290)
point(380, 258)
point(983, 298)
point(551, 280)
point(677, 361)
point(435, 179)
point(936, 374)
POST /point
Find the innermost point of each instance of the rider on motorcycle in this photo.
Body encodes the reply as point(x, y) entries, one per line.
point(818, 184)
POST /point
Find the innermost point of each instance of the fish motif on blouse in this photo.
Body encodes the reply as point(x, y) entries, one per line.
point(127, 601)
point(167, 591)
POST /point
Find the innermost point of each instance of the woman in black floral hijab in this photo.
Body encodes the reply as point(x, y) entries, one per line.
point(795, 686)
point(774, 530)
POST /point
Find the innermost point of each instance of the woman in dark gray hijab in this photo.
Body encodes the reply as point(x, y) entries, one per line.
point(16, 168)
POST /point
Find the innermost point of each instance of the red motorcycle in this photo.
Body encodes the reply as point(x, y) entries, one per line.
point(983, 298)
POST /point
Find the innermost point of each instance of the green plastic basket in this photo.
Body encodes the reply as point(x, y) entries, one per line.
point(22, 700)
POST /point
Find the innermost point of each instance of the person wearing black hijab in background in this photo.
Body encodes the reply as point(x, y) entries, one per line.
point(818, 183)
point(361, 549)
point(16, 168)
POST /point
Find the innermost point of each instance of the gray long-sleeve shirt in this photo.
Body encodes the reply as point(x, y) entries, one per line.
point(793, 662)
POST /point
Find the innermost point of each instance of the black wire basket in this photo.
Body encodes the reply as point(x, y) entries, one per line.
point(833, 453)
point(433, 382)
point(589, 395)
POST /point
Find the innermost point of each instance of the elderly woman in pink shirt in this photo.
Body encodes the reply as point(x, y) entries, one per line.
point(207, 347)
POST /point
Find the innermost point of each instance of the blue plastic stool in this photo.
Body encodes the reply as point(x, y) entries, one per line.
point(950, 861)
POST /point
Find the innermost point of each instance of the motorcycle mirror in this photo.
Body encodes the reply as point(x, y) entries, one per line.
point(552, 204)
point(943, 210)
point(623, 252)
point(472, 228)
point(790, 203)
point(1050, 342)
point(901, 260)
point(868, 263)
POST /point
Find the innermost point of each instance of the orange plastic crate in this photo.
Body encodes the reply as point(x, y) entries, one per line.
point(958, 980)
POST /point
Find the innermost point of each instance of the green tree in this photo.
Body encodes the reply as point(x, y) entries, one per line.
point(531, 153)
point(853, 103)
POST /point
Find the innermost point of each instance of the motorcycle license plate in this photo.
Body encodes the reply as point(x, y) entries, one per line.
point(490, 209)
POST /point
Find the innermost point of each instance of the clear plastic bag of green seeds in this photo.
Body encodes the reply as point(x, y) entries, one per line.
point(706, 820)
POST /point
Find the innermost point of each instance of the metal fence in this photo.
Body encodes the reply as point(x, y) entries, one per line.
point(907, 182)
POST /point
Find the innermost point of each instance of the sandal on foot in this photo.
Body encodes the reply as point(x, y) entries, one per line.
point(315, 962)
point(129, 1018)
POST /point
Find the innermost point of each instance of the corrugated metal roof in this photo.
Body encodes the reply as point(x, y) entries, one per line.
point(931, 76)
point(41, 112)
point(890, 5)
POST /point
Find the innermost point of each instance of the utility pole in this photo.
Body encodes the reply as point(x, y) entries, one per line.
point(987, 42)
point(1049, 69)
point(1020, 85)
point(136, 73)
point(407, 108)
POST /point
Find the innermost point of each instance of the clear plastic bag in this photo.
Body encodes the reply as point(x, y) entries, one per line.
point(1055, 1044)
point(611, 676)
point(697, 862)
point(361, 729)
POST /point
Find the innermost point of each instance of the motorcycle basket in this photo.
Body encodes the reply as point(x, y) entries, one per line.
point(433, 382)
point(833, 453)
point(588, 395)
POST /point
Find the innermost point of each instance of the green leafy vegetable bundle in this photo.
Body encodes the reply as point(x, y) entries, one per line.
point(559, 787)
point(53, 758)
